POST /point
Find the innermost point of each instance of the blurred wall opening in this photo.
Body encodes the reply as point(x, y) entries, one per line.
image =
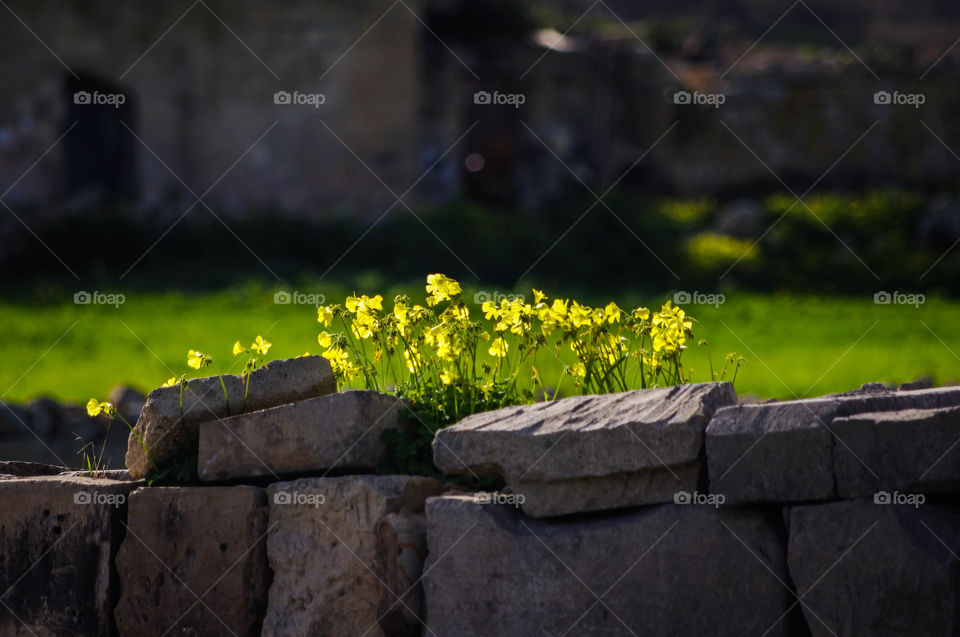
point(100, 157)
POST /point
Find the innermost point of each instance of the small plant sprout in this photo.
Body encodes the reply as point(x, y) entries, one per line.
point(257, 351)
point(730, 359)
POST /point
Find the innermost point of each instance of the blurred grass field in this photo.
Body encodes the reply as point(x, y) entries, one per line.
point(793, 345)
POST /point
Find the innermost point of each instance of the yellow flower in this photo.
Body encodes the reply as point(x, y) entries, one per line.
point(261, 346)
point(652, 361)
point(490, 310)
point(486, 388)
point(196, 359)
point(611, 313)
point(325, 315)
point(580, 315)
point(441, 288)
point(170, 382)
point(365, 325)
point(401, 316)
point(456, 314)
point(238, 349)
point(412, 355)
point(326, 339)
point(579, 370)
point(538, 296)
point(498, 348)
point(95, 408)
point(364, 303)
point(340, 362)
point(447, 376)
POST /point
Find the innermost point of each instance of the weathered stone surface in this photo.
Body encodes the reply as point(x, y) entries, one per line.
point(167, 435)
point(185, 543)
point(589, 452)
point(26, 469)
point(916, 450)
point(341, 559)
point(57, 536)
point(664, 570)
point(781, 452)
point(876, 569)
point(340, 430)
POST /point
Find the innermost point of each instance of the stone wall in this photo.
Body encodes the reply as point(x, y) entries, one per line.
point(659, 512)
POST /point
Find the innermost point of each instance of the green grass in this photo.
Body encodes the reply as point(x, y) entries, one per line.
point(794, 346)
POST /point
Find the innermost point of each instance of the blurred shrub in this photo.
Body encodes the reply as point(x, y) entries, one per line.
point(833, 242)
point(717, 252)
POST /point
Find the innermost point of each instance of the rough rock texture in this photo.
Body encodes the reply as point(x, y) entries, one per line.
point(341, 559)
point(57, 537)
point(876, 569)
point(185, 543)
point(340, 430)
point(26, 469)
point(665, 570)
point(589, 452)
point(915, 450)
point(781, 452)
point(168, 436)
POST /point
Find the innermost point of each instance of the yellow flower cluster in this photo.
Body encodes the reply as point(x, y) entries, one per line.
point(440, 349)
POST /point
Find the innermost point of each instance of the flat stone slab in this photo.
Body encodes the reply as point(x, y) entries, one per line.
point(346, 554)
point(589, 453)
point(915, 450)
point(26, 469)
point(662, 570)
point(185, 543)
point(335, 431)
point(863, 568)
point(57, 537)
point(168, 435)
point(784, 452)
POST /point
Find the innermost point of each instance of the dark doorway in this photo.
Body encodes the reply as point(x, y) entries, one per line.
point(100, 151)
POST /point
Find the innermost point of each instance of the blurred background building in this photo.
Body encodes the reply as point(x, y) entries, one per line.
point(398, 81)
